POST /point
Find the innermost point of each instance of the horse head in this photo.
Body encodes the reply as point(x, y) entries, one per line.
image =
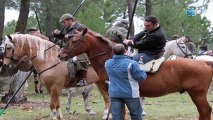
point(12, 59)
point(177, 47)
point(76, 45)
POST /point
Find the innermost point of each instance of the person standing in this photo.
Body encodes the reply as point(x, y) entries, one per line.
point(70, 27)
point(124, 75)
point(150, 42)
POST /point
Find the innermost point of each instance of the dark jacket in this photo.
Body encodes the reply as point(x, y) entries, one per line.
point(152, 42)
point(70, 30)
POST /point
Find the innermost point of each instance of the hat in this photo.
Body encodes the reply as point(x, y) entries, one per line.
point(122, 23)
point(66, 16)
point(32, 29)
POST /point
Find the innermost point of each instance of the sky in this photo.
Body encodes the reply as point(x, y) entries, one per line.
point(13, 14)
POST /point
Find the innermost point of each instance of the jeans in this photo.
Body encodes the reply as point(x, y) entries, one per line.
point(133, 104)
point(146, 58)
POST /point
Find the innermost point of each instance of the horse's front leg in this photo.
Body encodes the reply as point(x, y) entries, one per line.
point(86, 96)
point(54, 103)
point(105, 95)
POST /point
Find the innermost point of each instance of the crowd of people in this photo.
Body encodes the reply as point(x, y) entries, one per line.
point(123, 71)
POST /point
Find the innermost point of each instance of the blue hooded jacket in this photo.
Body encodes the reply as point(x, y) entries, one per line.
point(124, 75)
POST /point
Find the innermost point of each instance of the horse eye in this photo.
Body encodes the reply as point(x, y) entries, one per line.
point(183, 47)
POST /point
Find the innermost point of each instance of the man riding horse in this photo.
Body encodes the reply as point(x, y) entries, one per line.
point(81, 61)
point(150, 42)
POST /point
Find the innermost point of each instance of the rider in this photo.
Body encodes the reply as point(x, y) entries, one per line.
point(118, 32)
point(203, 46)
point(150, 42)
point(189, 43)
point(70, 27)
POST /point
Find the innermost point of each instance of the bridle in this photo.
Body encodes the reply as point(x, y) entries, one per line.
point(18, 62)
point(184, 52)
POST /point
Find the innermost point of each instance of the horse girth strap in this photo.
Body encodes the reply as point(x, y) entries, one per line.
point(49, 68)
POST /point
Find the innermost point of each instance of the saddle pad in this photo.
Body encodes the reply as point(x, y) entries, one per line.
point(152, 66)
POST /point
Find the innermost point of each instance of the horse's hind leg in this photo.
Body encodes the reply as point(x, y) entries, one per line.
point(204, 109)
point(86, 96)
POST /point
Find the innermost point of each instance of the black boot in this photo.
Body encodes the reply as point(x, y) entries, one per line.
point(81, 81)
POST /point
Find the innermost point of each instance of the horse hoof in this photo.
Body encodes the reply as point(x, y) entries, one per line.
point(144, 113)
point(92, 113)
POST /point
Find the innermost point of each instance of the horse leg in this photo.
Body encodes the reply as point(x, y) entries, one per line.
point(200, 100)
point(86, 95)
point(54, 103)
point(105, 95)
point(69, 100)
point(40, 87)
point(36, 86)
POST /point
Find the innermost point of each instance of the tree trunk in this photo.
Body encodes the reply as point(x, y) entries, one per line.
point(15, 82)
point(130, 4)
point(23, 16)
point(2, 9)
point(148, 5)
point(49, 19)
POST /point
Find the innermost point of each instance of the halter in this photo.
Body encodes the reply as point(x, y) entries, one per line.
point(185, 53)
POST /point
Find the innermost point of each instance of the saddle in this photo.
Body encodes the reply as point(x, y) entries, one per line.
point(153, 65)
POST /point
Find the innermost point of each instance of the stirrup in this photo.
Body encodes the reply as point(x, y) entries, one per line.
point(81, 83)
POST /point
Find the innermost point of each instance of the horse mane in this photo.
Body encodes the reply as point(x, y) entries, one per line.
point(100, 37)
point(34, 42)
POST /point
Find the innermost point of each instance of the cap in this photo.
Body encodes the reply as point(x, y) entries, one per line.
point(66, 16)
point(32, 29)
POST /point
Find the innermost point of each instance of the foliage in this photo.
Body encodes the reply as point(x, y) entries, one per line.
point(10, 26)
point(175, 21)
point(99, 15)
point(94, 22)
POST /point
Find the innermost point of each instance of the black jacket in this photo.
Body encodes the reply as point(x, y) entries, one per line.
point(152, 42)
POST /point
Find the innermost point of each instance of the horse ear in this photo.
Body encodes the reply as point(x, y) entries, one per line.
point(9, 37)
point(85, 30)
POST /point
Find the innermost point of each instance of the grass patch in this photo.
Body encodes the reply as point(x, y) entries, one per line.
point(170, 107)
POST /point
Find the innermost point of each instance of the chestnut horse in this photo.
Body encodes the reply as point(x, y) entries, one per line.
point(181, 75)
point(53, 73)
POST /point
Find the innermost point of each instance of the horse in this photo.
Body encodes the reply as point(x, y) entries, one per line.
point(176, 47)
point(180, 49)
point(53, 73)
point(181, 75)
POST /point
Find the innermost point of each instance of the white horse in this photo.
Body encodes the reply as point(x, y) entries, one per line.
point(176, 47)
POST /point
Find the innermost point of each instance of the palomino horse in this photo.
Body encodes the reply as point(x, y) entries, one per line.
point(181, 75)
point(44, 56)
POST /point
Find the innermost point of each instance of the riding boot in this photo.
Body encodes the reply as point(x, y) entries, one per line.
point(81, 80)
